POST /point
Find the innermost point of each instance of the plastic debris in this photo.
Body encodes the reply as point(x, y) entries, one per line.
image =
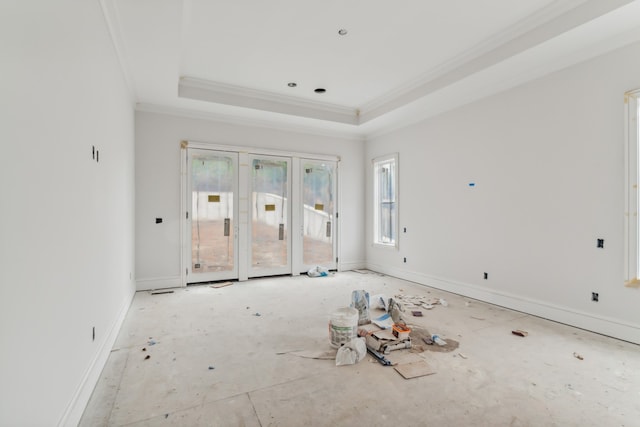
point(443, 302)
point(352, 352)
point(417, 313)
point(380, 301)
point(462, 355)
point(578, 356)
point(436, 339)
point(152, 342)
point(520, 333)
point(318, 271)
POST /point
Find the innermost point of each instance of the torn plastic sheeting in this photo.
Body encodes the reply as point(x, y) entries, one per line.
point(380, 301)
point(385, 321)
point(318, 271)
point(352, 352)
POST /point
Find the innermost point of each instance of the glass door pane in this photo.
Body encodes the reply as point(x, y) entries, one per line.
point(270, 237)
point(318, 198)
point(213, 182)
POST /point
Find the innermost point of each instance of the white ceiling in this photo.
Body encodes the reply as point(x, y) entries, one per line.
point(400, 62)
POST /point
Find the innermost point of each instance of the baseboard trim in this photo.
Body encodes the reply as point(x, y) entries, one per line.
point(158, 283)
point(78, 403)
point(352, 265)
point(611, 327)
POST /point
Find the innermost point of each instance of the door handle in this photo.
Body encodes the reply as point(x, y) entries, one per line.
point(227, 226)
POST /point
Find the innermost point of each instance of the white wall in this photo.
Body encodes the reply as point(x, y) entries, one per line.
point(547, 161)
point(66, 223)
point(158, 157)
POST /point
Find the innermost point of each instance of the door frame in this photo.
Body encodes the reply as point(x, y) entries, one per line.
point(242, 216)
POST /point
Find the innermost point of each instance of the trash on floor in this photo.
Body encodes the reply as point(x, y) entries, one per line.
point(416, 313)
point(311, 354)
point(257, 314)
point(400, 331)
point(386, 340)
point(385, 321)
point(152, 342)
point(464, 356)
point(436, 339)
point(415, 301)
point(360, 301)
point(415, 369)
point(161, 292)
point(220, 285)
point(380, 301)
point(520, 333)
point(352, 352)
point(318, 271)
point(578, 356)
point(379, 357)
point(419, 335)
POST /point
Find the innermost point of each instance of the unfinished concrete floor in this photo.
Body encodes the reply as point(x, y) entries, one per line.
point(493, 378)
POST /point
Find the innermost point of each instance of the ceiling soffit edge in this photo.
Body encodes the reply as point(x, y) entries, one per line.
point(235, 119)
point(204, 90)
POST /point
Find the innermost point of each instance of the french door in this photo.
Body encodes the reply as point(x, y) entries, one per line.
point(212, 232)
point(270, 248)
point(318, 213)
point(256, 214)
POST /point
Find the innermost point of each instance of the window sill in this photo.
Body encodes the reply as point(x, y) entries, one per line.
point(385, 246)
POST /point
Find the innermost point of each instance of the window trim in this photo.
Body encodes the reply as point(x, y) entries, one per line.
point(631, 152)
point(376, 201)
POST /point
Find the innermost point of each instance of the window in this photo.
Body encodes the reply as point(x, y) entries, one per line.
point(385, 196)
point(632, 144)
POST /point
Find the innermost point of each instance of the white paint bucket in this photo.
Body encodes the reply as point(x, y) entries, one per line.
point(343, 326)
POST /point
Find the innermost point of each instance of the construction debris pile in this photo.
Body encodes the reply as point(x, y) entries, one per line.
point(376, 325)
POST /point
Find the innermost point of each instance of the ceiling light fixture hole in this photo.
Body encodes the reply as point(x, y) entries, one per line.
point(292, 84)
point(320, 90)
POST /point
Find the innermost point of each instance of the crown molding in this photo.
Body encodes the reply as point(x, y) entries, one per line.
point(111, 17)
point(248, 121)
point(503, 77)
point(548, 23)
point(204, 90)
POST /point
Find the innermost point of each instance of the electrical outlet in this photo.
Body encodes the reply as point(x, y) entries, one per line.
point(486, 276)
point(600, 243)
point(594, 296)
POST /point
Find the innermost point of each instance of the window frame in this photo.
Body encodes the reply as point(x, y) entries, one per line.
point(378, 238)
point(631, 225)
